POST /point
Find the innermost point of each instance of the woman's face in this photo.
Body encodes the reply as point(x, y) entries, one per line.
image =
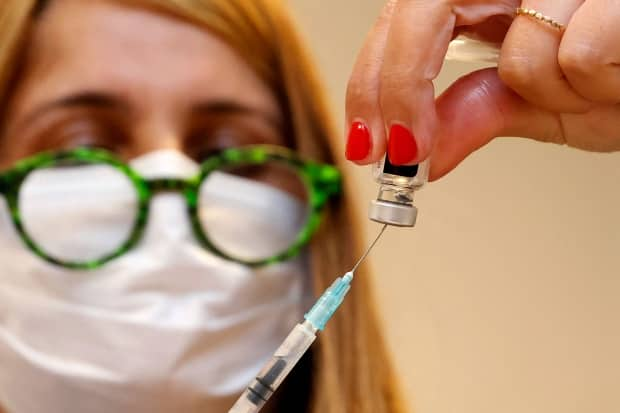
point(99, 73)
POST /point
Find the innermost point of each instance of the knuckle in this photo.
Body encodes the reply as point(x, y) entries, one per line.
point(357, 96)
point(361, 90)
point(517, 73)
point(580, 60)
point(355, 92)
point(392, 99)
point(395, 76)
point(397, 86)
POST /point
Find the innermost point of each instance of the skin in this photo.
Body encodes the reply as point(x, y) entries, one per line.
point(549, 86)
point(90, 80)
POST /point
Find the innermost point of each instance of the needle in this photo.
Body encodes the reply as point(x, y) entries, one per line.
point(369, 249)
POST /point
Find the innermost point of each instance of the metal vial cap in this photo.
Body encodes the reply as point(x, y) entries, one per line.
point(392, 213)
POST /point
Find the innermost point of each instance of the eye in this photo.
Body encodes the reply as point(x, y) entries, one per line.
point(79, 132)
point(218, 134)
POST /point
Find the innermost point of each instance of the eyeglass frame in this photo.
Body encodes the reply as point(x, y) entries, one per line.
point(322, 182)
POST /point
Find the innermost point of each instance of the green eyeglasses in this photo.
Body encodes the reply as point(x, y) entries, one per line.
point(82, 208)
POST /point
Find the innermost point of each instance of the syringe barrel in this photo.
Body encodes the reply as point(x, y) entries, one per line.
point(275, 371)
point(245, 405)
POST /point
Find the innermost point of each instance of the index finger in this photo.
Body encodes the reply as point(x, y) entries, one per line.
point(366, 136)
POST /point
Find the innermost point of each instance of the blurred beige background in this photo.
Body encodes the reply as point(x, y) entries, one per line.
point(506, 296)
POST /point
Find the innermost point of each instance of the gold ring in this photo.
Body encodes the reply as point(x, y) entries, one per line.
point(522, 11)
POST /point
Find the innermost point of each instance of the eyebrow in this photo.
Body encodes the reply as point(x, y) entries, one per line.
point(94, 99)
point(225, 107)
point(83, 99)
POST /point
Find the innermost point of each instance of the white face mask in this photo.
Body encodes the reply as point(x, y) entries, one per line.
point(168, 327)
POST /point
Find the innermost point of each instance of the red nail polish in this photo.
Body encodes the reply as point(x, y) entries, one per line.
point(358, 142)
point(402, 146)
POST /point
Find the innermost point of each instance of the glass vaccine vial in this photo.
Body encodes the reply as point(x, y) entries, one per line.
point(394, 203)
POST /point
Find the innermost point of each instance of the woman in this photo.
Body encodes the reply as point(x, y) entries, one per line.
point(161, 324)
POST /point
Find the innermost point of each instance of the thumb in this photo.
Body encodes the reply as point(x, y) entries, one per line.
point(479, 107)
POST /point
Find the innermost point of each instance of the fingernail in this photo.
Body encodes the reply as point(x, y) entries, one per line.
point(358, 142)
point(402, 146)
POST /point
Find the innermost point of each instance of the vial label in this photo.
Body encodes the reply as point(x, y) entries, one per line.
point(408, 171)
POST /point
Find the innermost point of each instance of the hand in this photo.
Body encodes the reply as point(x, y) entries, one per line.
point(549, 86)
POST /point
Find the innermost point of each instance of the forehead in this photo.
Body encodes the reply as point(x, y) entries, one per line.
point(148, 57)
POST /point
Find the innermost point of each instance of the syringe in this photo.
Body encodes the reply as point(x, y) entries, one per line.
point(297, 343)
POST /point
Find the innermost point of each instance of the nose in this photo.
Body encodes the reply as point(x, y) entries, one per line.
point(152, 134)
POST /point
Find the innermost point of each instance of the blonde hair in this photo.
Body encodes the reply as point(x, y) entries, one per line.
point(349, 369)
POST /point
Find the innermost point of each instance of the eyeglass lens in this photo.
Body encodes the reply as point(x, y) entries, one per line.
point(84, 212)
